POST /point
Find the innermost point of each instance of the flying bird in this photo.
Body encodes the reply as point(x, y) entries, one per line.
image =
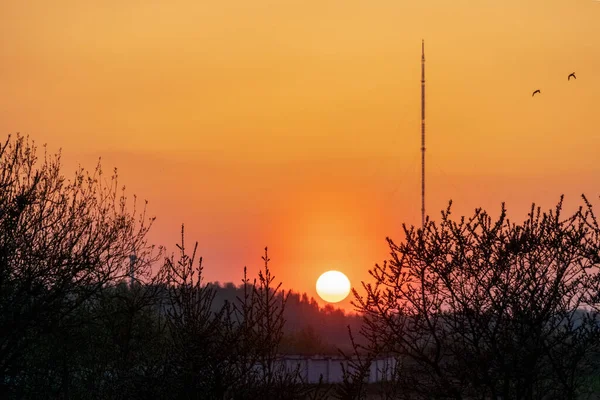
point(572, 74)
point(537, 91)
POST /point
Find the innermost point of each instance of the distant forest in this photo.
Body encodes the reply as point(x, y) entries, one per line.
point(309, 329)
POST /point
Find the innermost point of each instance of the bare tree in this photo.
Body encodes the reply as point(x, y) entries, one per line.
point(269, 305)
point(266, 324)
point(199, 350)
point(231, 352)
point(483, 308)
point(71, 325)
point(355, 374)
point(61, 241)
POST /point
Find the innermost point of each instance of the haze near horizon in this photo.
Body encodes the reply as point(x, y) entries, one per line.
point(297, 124)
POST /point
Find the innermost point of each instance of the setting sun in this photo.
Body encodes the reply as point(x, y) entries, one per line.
point(333, 286)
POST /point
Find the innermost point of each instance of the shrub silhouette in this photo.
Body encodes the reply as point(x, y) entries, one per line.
point(483, 308)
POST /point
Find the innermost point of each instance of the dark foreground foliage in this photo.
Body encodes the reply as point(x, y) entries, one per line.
point(474, 309)
point(61, 242)
point(484, 308)
point(81, 319)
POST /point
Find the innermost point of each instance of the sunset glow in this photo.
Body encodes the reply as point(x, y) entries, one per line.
point(297, 124)
point(299, 199)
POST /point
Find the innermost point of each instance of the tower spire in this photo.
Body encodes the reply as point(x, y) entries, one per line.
point(422, 133)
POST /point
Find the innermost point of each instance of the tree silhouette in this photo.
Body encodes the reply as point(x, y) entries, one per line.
point(199, 347)
point(61, 241)
point(483, 308)
point(231, 350)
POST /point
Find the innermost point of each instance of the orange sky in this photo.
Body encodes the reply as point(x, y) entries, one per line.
point(296, 123)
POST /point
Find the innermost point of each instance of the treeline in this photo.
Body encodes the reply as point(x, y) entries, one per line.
point(72, 327)
point(309, 328)
point(163, 339)
point(475, 308)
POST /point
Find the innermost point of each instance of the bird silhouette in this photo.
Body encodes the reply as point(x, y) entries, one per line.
point(572, 74)
point(537, 91)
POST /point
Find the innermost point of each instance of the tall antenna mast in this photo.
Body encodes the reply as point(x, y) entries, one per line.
point(422, 133)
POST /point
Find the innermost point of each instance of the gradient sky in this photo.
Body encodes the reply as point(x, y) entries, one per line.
point(296, 124)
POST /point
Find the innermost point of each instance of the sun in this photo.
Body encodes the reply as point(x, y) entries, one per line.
point(333, 286)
